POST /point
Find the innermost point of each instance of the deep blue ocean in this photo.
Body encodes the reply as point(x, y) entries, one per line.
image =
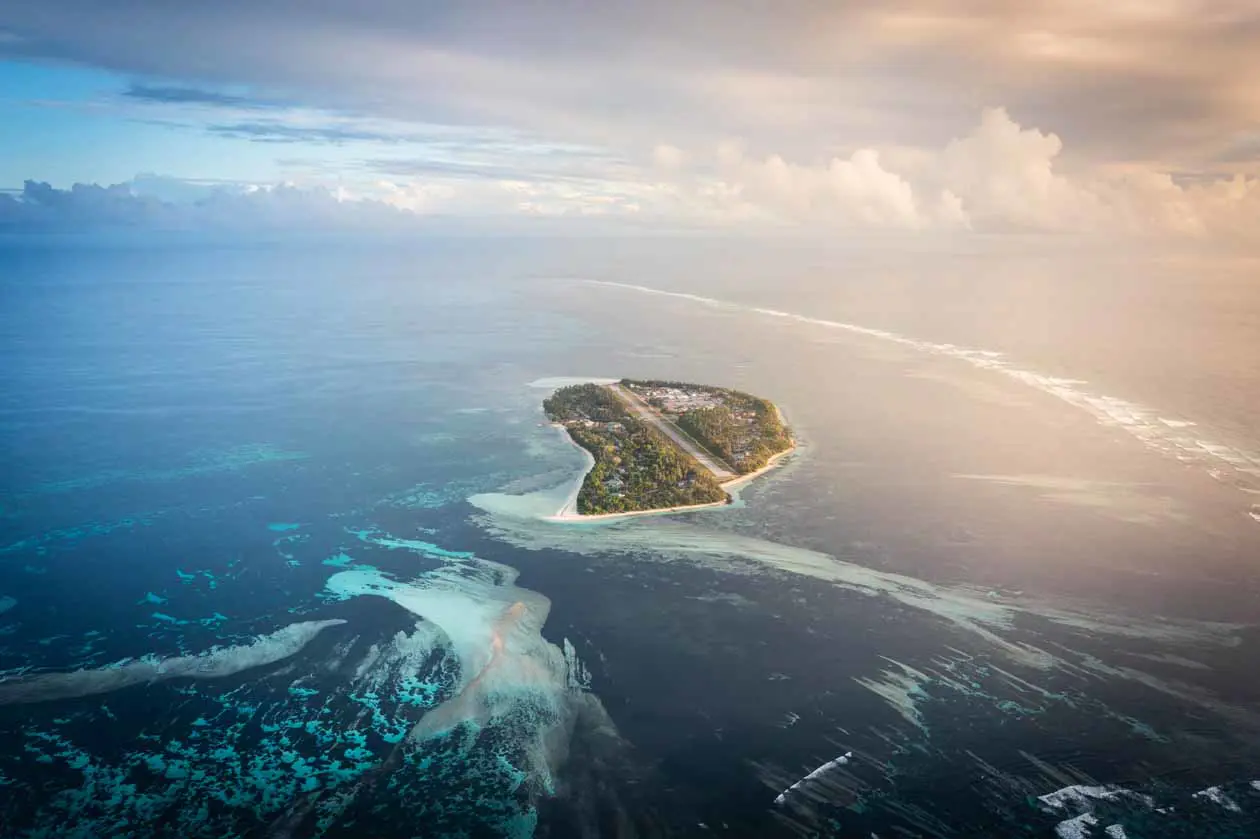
point(274, 562)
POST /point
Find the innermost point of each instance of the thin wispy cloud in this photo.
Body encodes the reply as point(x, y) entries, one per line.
point(171, 95)
point(970, 115)
point(279, 132)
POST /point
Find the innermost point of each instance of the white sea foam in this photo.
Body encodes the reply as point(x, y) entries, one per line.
point(664, 540)
point(1171, 436)
point(1081, 795)
point(212, 664)
point(1217, 796)
point(817, 773)
point(525, 520)
point(1077, 827)
point(974, 610)
point(1081, 800)
point(901, 689)
point(493, 631)
point(408, 652)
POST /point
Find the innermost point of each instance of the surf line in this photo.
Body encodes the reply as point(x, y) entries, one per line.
point(1173, 437)
point(817, 773)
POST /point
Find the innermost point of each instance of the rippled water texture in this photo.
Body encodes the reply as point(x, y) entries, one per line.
point(278, 557)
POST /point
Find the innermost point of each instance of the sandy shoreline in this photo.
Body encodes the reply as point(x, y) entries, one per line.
point(569, 513)
point(576, 517)
point(770, 464)
point(569, 510)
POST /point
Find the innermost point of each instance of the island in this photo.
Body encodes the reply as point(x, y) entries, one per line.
point(660, 445)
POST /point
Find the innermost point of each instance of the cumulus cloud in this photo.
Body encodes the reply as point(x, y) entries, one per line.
point(40, 207)
point(1005, 176)
point(852, 191)
point(1155, 202)
point(1134, 117)
point(152, 203)
point(998, 177)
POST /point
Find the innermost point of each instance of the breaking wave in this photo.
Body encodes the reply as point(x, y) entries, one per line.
point(1015, 626)
point(510, 683)
point(985, 613)
point(1175, 437)
point(1160, 810)
point(814, 776)
point(212, 664)
point(460, 699)
point(493, 633)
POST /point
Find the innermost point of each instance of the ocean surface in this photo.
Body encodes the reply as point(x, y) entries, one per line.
point(273, 563)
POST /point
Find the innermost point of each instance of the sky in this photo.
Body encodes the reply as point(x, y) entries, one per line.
point(1133, 118)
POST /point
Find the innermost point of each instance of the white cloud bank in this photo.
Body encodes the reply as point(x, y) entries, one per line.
point(1000, 177)
point(137, 205)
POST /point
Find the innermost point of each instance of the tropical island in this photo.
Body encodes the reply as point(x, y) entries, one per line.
point(660, 445)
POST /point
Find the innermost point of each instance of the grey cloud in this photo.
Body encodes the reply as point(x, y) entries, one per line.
point(855, 73)
point(804, 78)
point(556, 166)
point(594, 73)
point(434, 139)
point(278, 132)
point(180, 190)
point(152, 204)
point(545, 67)
point(40, 207)
point(419, 167)
point(1241, 149)
point(172, 95)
